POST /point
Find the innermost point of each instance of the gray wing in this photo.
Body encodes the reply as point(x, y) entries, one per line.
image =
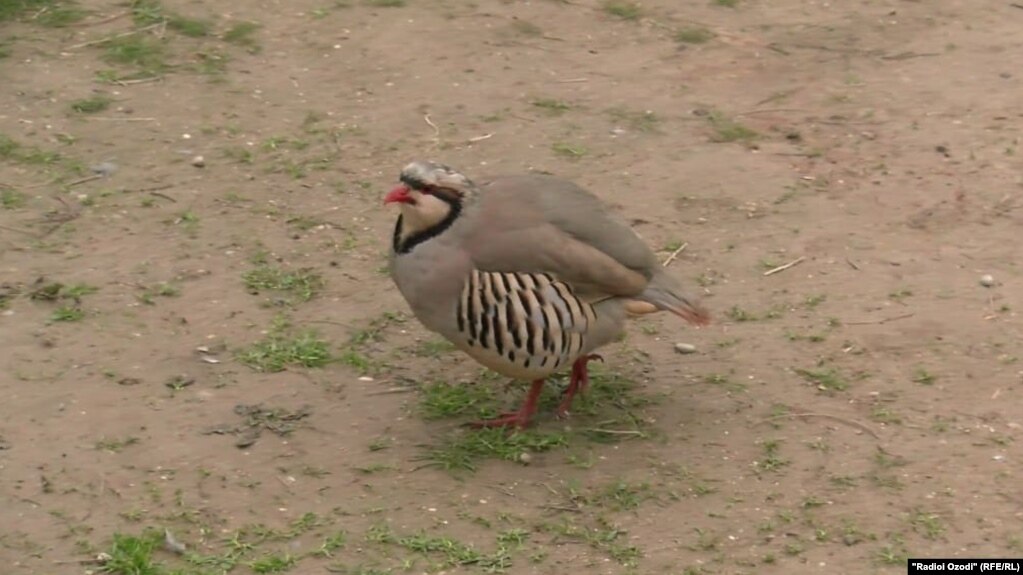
point(534, 223)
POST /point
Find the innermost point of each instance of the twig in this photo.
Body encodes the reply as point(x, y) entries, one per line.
point(551, 489)
point(561, 508)
point(436, 130)
point(103, 21)
point(138, 81)
point(407, 389)
point(96, 561)
point(573, 80)
point(616, 431)
point(880, 321)
point(164, 196)
point(782, 268)
point(503, 490)
point(155, 188)
point(852, 265)
point(851, 422)
point(85, 179)
point(10, 229)
point(115, 36)
point(769, 111)
point(674, 255)
point(908, 55)
point(107, 119)
point(481, 138)
point(1016, 5)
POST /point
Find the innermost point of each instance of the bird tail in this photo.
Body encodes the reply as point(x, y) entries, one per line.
point(662, 294)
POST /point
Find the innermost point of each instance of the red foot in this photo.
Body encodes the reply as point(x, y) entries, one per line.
point(517, 419)
point(577, 383)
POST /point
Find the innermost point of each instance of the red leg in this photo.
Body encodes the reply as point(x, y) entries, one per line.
point(577, 383)
point(517, 419)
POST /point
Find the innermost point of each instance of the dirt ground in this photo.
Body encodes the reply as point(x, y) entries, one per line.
point(199, 337)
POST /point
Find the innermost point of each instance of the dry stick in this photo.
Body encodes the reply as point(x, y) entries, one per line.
point(674, 255)
point(851, 422)
point(393, 390)
point(103, 21)
point(115, 36)
point(106, 119)
point(155, 188)
point(85, 179)
point(561, 508)
point(616, 431)
point(573, 80)
point(481, 138)
point(782, 268)
point(436, 130)
point(770, 111)
point(879, 321)
point(138, 81)
point(10, 229)
point(164, 196)
point(852, 265)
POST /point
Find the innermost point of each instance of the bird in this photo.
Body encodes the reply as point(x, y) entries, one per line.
point(528, 274)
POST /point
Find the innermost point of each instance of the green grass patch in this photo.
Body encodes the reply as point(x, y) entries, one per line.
point(283, 347)
point(606, 413)
point(728, 130)
point(622, 9)
point(694, 35)
point(646, 122)
point(52, 13)
point(14, 152)
point(463, 450)
point(91, 105)
point(145, 53)
point(300, 285)
point(243, 34)
point(569, 151)
point(445, 400)
point(191, 27)
point(552, 106)
point(825, 379)
point(11, 199)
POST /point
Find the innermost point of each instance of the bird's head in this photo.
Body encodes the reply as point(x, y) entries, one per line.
point(431, 197)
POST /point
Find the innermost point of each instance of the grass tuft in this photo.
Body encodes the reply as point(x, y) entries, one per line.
point(282, 348)
point(301, 285)
point(623, 9)
point(91, 105)
point(728, 130)
point(694, 35)
point(461, 451)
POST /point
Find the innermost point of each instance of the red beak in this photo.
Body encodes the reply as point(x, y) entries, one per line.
point(398, 195)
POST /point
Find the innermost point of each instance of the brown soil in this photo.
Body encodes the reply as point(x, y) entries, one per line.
point(854, 409)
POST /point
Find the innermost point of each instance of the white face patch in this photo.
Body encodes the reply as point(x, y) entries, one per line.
point(427, 211)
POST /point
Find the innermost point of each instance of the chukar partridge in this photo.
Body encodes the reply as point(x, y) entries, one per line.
point(527, 274)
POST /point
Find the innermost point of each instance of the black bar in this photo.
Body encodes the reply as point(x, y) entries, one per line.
point(991, 565)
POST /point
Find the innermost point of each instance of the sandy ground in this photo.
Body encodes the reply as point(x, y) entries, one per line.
point(840, 415)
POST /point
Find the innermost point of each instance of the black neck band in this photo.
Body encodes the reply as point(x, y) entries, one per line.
point(404, 247)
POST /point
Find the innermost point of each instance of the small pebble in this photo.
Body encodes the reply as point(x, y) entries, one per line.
point(103, 168)
point(199, 161)
point(685, 348)
point(987, 280)
point(525, 458)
